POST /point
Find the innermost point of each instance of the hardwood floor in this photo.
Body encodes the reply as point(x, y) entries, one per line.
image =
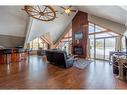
point(38, 74)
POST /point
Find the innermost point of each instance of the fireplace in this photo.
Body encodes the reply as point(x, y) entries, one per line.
point(78, 50)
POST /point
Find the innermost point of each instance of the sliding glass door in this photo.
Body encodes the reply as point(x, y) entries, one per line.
point(103, 46)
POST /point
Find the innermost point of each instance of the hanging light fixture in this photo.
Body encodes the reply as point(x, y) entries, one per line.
point(68, 10)
point(43, 13)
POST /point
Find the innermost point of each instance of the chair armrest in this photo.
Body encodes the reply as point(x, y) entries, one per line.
point(70, 58)
point(69, 62)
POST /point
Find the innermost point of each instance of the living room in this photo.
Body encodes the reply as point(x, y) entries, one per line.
point(63, 47)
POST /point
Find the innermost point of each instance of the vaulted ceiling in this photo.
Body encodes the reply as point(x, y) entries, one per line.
point(113, 13)
point(14, 21)
point(55, 27)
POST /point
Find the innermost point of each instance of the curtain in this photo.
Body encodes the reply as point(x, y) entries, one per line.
point(118, 43)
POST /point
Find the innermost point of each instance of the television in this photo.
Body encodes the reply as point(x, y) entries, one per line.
point(78, 35)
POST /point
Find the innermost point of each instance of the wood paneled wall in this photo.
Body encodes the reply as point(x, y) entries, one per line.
point(80, 23)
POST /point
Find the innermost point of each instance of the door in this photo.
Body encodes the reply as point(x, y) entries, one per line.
point(99, 49)
point(109, 46)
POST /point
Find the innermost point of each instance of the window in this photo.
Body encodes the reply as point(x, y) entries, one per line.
point(105, 34)
point(31, 45)
point(123, 44)
point(99, 29)
point(91, 28)
point(35, 44)
point(65, 43)
point(101, 42)
point(38, 43)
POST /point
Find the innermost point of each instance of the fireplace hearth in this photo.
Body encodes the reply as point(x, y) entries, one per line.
point(78, 51)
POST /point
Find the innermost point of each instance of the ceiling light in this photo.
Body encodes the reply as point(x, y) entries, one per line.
point(67, 11)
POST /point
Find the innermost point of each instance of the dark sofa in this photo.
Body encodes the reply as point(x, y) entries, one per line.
point(59, 58)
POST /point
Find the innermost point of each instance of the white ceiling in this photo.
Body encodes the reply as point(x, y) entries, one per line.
point(13, 21)
point(55, 27)
point(113, 13)
point(124, 7)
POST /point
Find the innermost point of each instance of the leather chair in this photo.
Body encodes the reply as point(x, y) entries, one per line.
point(40, 52)
point(59, 58)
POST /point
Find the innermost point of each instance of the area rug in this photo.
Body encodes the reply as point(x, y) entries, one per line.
point(82, 63)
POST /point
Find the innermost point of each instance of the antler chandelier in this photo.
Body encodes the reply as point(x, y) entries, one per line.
point(43, 13)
